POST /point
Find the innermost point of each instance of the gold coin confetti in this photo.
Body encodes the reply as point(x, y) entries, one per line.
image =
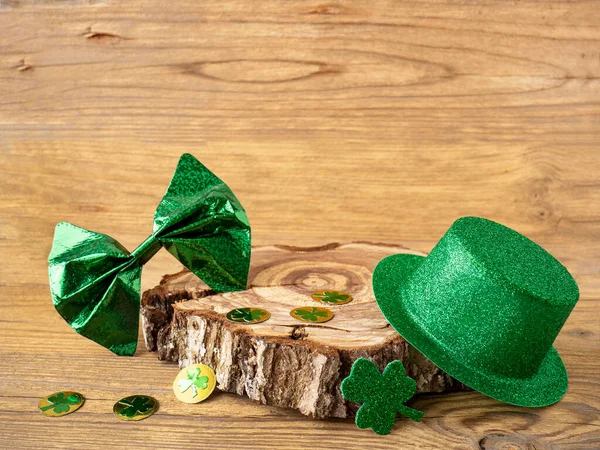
point(248, 315)
point(194, 383)
point(332, 297)
point(312, 314)
point(135, 407)
point(60, 403)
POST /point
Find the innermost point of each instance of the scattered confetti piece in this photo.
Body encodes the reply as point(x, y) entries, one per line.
point(312, 314)
point(248, 315)
point(194, 383)
point(60, 403)
point(382, 395)
point(332, 297)
point(135, 407)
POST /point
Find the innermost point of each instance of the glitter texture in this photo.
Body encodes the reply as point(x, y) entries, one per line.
point(383, 395)
point(485, 306)
point(95, 281)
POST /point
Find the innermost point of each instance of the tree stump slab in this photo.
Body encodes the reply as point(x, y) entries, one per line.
point(283, 361)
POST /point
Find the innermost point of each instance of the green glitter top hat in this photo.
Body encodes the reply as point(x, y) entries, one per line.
point(485, 306)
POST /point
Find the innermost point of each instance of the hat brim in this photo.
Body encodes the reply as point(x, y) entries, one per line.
point(546, 387)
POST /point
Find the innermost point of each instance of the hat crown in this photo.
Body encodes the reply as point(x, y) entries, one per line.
point(517, 260)
point(492, 295)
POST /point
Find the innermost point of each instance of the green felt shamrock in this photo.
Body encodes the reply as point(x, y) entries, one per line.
point(382, 395)
point(139, 404)
point(247, 314)
point(312, 315)
point(193, 381)
point(60, 403)
point(332, 297)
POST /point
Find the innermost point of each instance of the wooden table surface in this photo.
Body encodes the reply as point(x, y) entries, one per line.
point(332, 121)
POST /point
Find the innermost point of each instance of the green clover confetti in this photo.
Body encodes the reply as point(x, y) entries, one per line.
point(382, 395)
point(62, 402)
point(194, 381)
point(332, 297)
point(135, 407)
point(248, 315)
point(312, 314)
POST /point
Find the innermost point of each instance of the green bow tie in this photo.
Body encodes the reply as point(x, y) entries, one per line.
point(95, 281)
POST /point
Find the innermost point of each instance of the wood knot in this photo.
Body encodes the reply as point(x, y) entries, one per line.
point(22, 66)
point(578, 332)
point(507, 442)
point(259, 70)
point(101, 37)
point(298, 333)
point(326, 10)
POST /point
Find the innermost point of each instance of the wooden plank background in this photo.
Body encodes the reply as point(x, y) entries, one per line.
point(332, 121)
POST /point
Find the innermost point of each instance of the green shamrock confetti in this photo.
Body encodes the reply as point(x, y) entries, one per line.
point(382, 395)
point(135, 407)
point(194, 381)
point(332, 297)
point(248, 315)
point(61, 403)
point(312, 314)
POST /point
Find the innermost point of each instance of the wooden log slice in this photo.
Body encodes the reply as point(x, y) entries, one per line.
point(283, 361)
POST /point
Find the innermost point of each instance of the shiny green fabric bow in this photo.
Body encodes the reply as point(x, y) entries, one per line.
point(95, 281)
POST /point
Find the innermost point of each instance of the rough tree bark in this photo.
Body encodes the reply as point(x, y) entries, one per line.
point(283, 361)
